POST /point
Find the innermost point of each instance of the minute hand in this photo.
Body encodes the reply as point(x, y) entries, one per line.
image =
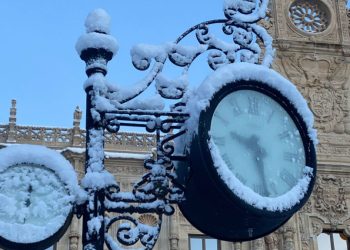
point(251, 143)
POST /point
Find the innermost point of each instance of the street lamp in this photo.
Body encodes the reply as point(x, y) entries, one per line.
point(205, 142)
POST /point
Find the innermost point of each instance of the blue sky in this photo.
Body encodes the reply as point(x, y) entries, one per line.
point(40, 68)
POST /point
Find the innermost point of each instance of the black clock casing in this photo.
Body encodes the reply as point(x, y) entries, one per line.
point(210, 205)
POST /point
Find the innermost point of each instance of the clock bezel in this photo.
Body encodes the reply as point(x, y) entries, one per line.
point(205, 125)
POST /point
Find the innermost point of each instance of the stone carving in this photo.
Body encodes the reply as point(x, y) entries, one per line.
point(330, 198)
point(237, 246)
point(258, 244)
point(64, 137)
point(317, 226)
point(148, 219)
point(272, 241)
point(307, 208)
point(307, 20)
point(309, 16)
point(127, 170)
point(303, 229)
point(74, 241)
point(288, 232)
point(268, 21)
point(322, 82)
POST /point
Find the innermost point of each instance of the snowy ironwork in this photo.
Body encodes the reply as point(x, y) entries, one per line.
point(110, 108)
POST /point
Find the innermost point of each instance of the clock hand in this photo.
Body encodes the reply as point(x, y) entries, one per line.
point(251, 143)
point(241, 139)
point(259, 153)
point(30, 190)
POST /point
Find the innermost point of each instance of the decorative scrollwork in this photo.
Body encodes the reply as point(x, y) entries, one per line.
point(248, 41)
point(111, 108)
point(248, 11)
point(130, 231)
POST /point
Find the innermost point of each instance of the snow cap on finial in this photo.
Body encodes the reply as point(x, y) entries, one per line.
point(98, 21)
point(96, 47)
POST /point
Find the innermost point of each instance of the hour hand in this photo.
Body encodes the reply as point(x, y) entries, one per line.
point(251, 143)
point(241, 139)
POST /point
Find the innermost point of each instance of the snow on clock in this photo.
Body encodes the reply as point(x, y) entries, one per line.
point(251, 154)
point(38, 189)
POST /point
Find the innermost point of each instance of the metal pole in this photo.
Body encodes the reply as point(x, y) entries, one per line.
point(92, 240)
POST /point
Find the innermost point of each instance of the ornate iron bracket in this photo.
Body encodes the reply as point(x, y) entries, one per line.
point(111, 108)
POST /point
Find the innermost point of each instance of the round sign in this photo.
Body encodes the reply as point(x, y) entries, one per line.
point(252, 159)
point(38, 189)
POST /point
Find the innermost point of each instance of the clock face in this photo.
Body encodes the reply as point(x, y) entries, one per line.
point(35, 203)
point(259, 142)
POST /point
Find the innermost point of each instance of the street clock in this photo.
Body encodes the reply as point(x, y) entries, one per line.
point(252, 160)
point(38, 189)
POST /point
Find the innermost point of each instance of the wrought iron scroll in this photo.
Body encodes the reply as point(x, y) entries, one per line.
point(157, 190)
point(108, 108)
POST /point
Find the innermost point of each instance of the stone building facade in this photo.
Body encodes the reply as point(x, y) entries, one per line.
point(312, 41)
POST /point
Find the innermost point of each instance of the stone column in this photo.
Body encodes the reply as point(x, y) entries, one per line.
point(74, 234)
point(11, 136)
point(237, 246)
point(259, 244)
point(174, 232)
point(272, 242)
point(288, 237)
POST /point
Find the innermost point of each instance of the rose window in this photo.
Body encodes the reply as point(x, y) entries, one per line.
point(309, 16)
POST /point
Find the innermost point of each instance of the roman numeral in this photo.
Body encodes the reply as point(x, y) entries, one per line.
point(288, 178)
point(284, 135)
point(222, 119)
point(219, 141)
point(259, 189)
point(241, 178)
point(272, 188)
point(236, 109)
point(227, 160)
point(270, 116)
point(253, 106)
point(291, 157)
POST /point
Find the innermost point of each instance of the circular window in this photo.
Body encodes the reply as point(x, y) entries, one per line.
point(310, 16)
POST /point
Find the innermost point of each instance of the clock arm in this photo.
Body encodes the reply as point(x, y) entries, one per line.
point(247, 142)
point(259, 154)
point(261, 171)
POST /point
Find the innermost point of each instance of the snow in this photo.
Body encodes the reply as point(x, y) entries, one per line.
point(232, 73)
point(280, 203)
point(38, 189)
point(172, 88)
point(247, 11)
point(141, 54)
point(268, 42)
point(94, 224)
point(155, 102)
point(96, 176)
point(98, 20)
point(129, 233)
point(21, 153)
point(97, 41)
point(121, 155)
point(97, 33)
